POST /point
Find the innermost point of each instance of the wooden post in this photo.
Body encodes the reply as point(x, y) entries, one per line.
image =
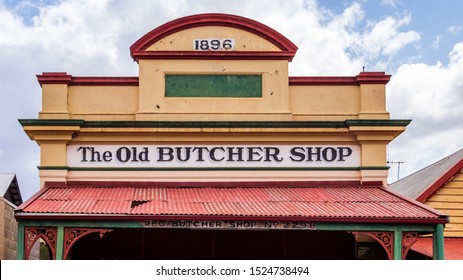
point(438, 244)
point(21, 248)
point(60, 243)
point(397, 245)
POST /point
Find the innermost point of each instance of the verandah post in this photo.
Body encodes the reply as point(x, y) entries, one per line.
point(438, 248)
point(397, 245)
point(60, 243)
point(21, 248)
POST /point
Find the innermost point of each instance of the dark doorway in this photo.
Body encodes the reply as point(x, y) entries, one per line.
point(215, 244)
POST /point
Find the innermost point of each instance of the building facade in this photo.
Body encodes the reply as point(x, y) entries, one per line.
point(215, 152)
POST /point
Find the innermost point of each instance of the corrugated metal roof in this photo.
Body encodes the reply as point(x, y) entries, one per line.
point(419, 182)
point(310, 202)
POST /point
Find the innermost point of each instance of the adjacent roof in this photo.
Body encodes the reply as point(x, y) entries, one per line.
point(425, 182)
point(9, 188)
point(336, 203)
point(453, 247)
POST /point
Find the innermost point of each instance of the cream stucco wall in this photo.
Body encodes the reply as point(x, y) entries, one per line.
point(143, 99)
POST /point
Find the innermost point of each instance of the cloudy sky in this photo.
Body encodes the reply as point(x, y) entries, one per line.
point(420, 43)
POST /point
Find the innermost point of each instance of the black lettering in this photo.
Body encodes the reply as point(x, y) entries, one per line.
point(134, 154)
point(107, 156)
point(165, 152)
point(84, 153)
point(252, 153)
point(179, 153)
point(344, 152)
point(272, 152)
point(329, 154)
point(296, 155)
point(232, 154)
point(212, 154)
point(317, 153)
point(200, 152)
point(123, 154)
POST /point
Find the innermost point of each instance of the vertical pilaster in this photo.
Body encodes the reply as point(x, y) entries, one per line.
point(397, 245)
point(438, 248)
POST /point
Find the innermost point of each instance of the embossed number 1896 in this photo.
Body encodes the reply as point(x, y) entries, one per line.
point(213, 44)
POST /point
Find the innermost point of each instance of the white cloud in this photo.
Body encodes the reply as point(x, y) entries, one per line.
point(391, 3)
point(454, 29)
point(435, 44)
point(431, 95)
point(385, 38)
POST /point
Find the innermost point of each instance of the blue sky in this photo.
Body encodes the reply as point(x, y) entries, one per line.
point(420, 43)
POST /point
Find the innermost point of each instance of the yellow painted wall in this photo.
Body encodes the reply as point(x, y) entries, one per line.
point(324, 103)
point(273, 105)
point(449, 200)
point(103, 102)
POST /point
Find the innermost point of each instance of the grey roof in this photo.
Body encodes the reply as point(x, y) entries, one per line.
point(417, 183)
point(9, 188)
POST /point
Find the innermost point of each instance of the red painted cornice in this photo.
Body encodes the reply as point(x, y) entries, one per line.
point(288, 49)
point(64, 78)
point(441, 182)
point(54, 78)
point(362, 78)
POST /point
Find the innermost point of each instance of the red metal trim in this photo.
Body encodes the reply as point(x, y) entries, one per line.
point(54, 78)
point(48, 216)
point(322, 81)
point(64, 78)
point(457, 168)
point(362, 78)
point(71, 235)
point(219, 184)
point(408, 239)
point(209, 55)
point(213, 19)
point(385, 239)
point(104, 81)
point(372, 78)
point(32, 234)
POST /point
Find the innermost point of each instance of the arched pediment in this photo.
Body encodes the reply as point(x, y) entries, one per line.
point(177, 38)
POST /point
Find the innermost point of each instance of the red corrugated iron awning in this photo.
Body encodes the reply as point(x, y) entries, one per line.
point(317, 203)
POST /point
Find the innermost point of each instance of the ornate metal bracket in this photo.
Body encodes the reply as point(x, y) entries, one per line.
point(32, 234)
point(408, 239)
point(385, 239)
point(71, 235)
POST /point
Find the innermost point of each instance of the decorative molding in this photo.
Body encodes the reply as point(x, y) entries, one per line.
point(138, 49)
point(408, 239)
point(218, 124)
point(32, 234)
point(385, 239)
point(71, 235)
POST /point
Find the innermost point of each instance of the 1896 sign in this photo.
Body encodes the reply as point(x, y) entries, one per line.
point(214, 44)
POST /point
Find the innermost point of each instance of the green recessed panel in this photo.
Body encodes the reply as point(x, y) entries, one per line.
point(214, 86)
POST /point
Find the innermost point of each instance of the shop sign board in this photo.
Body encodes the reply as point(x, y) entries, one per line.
point(213, 156)
point(237, 225)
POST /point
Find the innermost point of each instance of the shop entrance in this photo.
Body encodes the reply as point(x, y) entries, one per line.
point(155, 244)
